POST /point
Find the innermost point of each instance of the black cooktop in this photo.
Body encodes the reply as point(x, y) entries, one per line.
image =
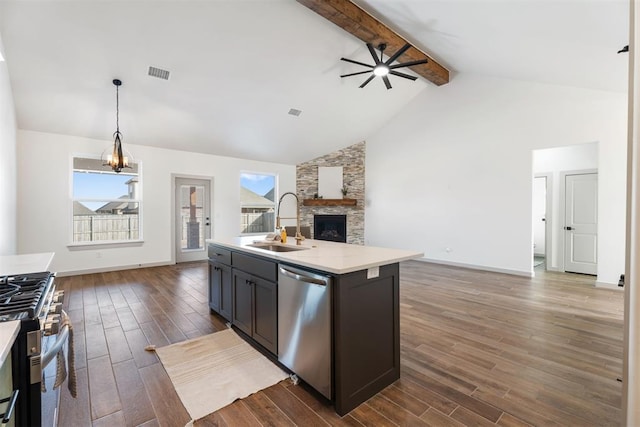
point(22, 296)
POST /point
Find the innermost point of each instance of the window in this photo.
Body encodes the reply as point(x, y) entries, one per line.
point(257, 202)
point(106, 205)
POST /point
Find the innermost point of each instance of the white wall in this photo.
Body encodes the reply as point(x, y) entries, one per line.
point(451, 175)
point(555, 161)
point(44, 204)
point(8, 174)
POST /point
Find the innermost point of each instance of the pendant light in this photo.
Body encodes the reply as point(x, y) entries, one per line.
point(117, 160)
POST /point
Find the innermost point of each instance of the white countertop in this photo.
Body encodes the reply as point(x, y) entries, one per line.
point(332, 257)
point(8, 334)
point(28, 263)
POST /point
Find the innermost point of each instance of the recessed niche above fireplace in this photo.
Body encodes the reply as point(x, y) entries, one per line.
point(330, 227)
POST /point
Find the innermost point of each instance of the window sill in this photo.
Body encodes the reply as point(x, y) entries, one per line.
point(114, 244)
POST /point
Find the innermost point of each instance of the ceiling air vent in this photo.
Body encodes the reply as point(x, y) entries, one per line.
point(159, 73)
point(294, 112)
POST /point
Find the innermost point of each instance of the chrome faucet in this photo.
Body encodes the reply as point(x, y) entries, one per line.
point(299, 237)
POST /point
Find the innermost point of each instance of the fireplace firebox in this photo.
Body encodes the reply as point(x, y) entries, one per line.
point(330, 227)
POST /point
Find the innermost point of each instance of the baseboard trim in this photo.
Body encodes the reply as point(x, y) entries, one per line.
point(478, 267)
point(114, 268)
point(605, 285)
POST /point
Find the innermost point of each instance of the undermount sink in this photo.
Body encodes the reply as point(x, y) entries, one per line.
point(276, 248)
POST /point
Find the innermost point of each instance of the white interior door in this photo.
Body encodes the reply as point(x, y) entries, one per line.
point(581, 223)
point(193, 218)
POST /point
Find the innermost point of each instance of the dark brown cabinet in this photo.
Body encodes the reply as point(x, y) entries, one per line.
point(215, 282)
point(220, 292)
point(265, 319)
point(366, 332)
point(255, 308)
point(243, 302)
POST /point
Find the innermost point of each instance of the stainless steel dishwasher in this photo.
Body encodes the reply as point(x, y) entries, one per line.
point(304, 326)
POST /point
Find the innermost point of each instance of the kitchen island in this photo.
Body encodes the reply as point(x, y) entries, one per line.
point(363, 338)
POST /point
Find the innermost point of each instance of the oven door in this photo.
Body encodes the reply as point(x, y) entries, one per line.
point(8, 395)
point(51, 351)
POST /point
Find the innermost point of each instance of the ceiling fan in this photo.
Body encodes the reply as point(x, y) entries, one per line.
point(383, 69)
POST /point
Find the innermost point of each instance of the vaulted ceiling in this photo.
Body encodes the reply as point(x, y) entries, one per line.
point(238, 66)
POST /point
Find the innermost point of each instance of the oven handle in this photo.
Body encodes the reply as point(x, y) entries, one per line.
point(63, 335)
point(10, 406)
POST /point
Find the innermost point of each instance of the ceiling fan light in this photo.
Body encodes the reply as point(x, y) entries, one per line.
point(381, 70)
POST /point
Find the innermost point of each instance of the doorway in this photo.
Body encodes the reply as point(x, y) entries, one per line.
point(555, 164)
point(539, 222)
point(581, 223)
point(192, 218)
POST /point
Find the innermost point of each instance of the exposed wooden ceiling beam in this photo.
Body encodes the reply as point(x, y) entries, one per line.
point(356, 21)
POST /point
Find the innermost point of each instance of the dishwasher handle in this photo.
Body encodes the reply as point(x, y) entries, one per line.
point(302, 277)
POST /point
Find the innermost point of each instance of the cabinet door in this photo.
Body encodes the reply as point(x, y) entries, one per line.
point(226, 292)
point(242, 299)
point(265, 322)
point(215, 281)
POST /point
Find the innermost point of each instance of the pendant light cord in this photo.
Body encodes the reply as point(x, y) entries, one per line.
point(117, 109)
point(117, 83)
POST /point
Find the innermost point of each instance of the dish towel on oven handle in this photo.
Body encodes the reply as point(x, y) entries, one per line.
point(61, 368)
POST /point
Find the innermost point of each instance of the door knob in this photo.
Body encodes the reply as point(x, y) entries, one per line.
point(568, 228)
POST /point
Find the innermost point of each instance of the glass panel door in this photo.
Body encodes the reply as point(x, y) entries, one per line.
point(193, 220)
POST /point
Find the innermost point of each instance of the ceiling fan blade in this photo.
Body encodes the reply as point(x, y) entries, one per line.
point(409, 64)
point(406, 76)
point(387, 83)
point(356, 62)
point(366, 82)
point(355, 74)
point(373, 53)
point(396, 55)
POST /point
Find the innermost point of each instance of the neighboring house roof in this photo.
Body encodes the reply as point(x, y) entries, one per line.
point(271, 195)
point(111, 207)
point(80, 209)
point(249, 199)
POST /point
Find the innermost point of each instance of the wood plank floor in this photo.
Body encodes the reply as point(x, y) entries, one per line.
point(477, 348)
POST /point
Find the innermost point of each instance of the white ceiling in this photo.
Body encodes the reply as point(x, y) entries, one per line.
point(238, 66)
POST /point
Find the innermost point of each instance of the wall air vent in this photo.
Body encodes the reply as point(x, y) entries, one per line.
point(159, 73)
point(294, 112)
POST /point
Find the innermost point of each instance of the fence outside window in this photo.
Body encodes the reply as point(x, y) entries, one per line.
point(94, 228)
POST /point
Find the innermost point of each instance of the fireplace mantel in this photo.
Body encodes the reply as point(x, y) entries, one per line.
point(330, 202)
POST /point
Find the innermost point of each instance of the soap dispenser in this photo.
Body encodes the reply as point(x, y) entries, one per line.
point(283, 235)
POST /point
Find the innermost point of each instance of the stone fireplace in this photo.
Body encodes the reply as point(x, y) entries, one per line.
point(352, 160)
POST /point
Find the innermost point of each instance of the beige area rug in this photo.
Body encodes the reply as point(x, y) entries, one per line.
point(212, 371)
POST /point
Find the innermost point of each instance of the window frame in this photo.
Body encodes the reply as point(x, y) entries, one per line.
point(276, 179)
point(95, 165)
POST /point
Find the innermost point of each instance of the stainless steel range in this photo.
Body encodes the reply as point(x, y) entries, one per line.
point(33, 300)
